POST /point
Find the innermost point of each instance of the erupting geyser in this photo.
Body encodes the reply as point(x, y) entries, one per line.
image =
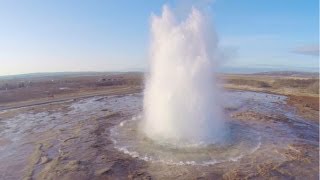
point(181, 103)
point(182, 114)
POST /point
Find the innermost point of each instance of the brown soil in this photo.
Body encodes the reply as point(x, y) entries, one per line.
point(68, 148)
point(306, 106)
point(302, 90)
point(50, 87)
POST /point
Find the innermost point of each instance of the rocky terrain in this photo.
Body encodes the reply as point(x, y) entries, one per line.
point(58, 127)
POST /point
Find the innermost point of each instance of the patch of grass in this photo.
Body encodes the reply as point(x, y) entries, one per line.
point(249, 82)
point(282, 85)
point(310, 85)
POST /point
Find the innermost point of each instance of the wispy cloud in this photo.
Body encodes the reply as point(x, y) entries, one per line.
point(312, 50)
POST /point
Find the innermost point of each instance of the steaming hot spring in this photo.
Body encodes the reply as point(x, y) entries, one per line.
point(183, 125)
point(183, 119)
point(187, 119)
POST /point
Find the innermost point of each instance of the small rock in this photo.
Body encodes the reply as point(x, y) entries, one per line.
point(44, 159)
point(102, 171)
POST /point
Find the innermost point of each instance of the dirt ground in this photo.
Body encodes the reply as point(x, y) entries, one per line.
point(76, 144)
point(24, 90)
point(301, 88)
point(307, 106)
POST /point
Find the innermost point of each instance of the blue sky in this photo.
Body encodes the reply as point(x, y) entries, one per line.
point(58, 35)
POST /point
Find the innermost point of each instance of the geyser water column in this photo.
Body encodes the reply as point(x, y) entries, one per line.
point(181, 105)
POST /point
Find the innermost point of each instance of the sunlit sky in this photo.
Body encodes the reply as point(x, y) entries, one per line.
point(112, 35)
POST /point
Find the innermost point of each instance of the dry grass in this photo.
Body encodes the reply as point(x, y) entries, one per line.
point(309, 85)
point(23, 89)
point(274, 84)
point(249, 82)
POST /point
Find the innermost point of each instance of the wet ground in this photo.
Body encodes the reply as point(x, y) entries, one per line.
point(97, 138)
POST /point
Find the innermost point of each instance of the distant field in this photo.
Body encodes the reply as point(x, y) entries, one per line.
point(301, 88)
point(287, 85)
point(26, 87)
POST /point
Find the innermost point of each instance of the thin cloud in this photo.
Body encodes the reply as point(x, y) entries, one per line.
point(312, 50)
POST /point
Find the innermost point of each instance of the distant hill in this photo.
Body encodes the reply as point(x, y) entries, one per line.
point(53, 75)
point(290, 73)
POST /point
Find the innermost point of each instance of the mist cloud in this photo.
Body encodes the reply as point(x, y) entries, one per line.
point(312, 50)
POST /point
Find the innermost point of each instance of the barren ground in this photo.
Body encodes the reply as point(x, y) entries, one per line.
point(58, 127)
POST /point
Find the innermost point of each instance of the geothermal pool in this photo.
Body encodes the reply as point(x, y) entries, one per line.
point(240, 141)
point(243, 137)
point(100, 136)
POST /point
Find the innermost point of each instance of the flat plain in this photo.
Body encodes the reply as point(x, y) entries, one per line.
point(57, 126)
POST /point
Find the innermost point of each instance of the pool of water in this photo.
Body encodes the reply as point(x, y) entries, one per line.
point(253, 121)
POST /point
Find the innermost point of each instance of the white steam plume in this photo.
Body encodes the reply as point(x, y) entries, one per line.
point(181, 98)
